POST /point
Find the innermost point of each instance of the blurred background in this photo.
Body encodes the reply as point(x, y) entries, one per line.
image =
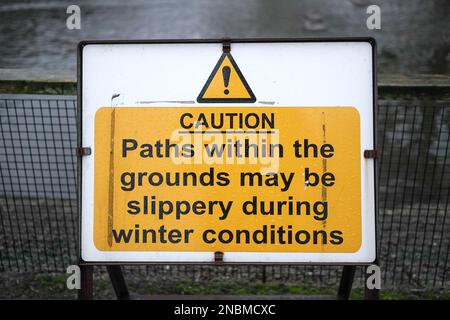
point(414, 35)
point(38, 195)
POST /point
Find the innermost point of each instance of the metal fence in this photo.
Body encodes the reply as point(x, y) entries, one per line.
point(38, 205)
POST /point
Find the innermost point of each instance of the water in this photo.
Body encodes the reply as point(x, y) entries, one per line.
point(414, 37)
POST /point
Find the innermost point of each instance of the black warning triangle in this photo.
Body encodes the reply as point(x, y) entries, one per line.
point(226, 84)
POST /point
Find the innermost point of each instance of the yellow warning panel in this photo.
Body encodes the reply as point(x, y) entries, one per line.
point(235, 179)
point(226, 84)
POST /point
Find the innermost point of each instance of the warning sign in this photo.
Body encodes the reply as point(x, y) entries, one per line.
point(172, 186)
point(226, 84)
point(173, 169)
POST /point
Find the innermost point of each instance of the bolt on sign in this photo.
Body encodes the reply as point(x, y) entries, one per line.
point(253, 150)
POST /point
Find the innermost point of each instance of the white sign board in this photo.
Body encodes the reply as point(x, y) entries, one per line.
point(244, 151)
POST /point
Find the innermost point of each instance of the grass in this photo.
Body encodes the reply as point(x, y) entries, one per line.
point(233, 288)
point(53, 286)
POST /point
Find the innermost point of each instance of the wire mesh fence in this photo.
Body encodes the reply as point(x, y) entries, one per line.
point(414, 184)
point(38, 200)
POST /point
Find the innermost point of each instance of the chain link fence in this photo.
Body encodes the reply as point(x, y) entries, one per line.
point(38, 200)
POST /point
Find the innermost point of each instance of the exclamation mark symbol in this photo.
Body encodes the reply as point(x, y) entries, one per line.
point(226, 71)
